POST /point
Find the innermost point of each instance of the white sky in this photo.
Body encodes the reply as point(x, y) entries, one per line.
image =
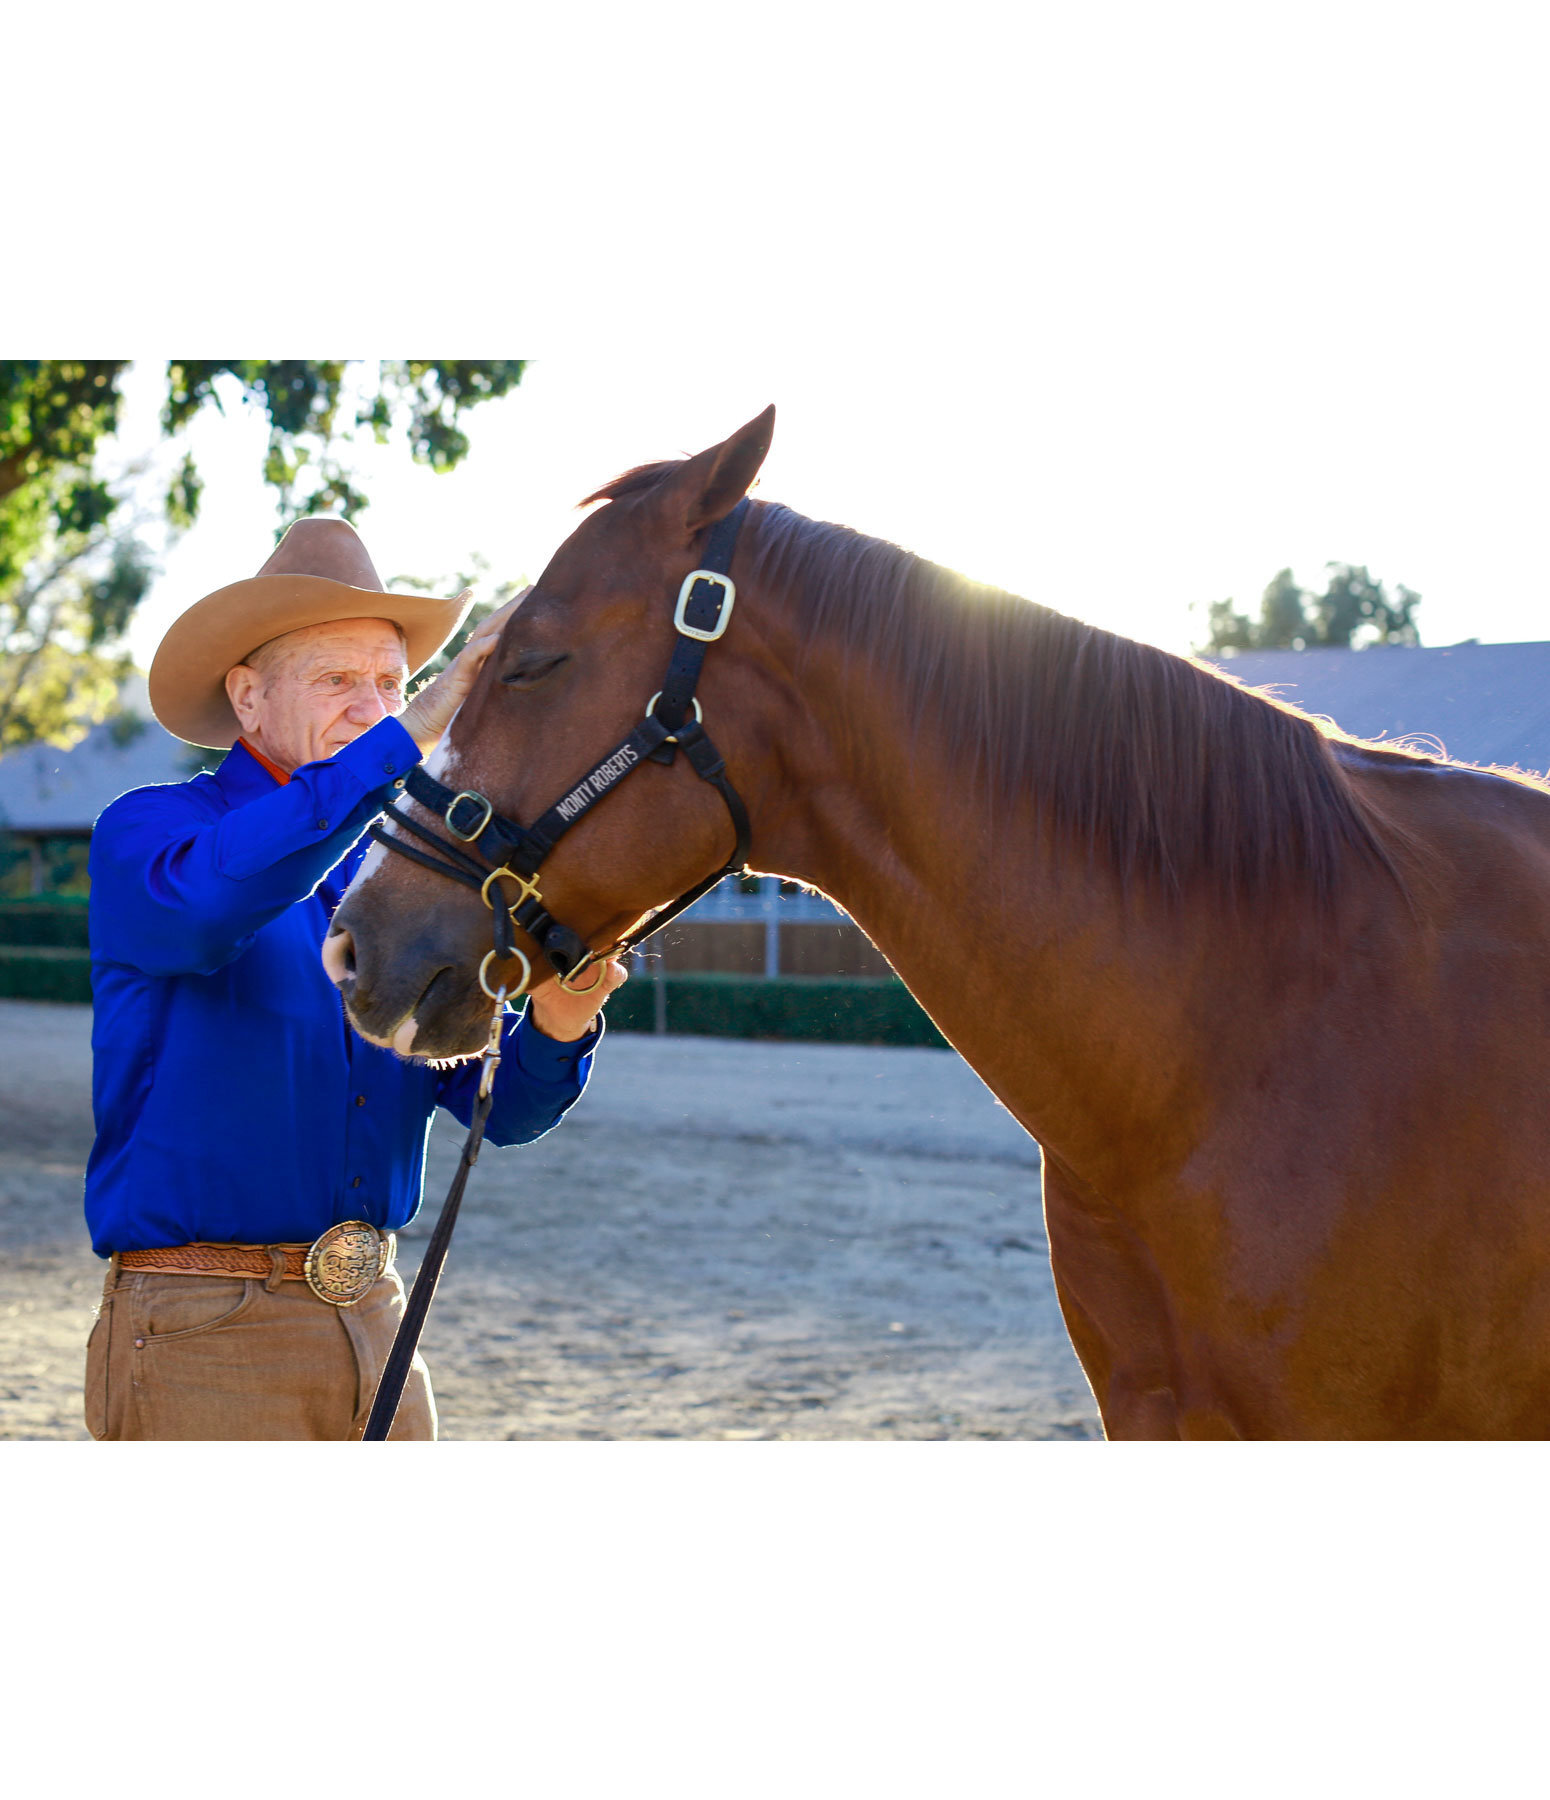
point(1043, 480)
point(1123, 310)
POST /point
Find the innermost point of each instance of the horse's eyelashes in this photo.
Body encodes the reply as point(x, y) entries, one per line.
point(531, 668)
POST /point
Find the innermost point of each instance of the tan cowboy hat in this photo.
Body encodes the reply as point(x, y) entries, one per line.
point(319, 572)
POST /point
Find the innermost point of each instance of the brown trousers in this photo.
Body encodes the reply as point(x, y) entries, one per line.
point(217, 1356)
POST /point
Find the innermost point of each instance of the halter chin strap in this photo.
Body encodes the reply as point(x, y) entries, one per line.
point(516, 852)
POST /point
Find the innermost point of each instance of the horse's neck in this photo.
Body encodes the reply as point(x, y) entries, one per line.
point(1071, 1001)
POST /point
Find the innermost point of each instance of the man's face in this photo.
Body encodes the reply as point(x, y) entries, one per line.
point(315, 690)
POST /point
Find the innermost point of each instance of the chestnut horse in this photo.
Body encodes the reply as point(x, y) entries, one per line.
point(1275, 1002)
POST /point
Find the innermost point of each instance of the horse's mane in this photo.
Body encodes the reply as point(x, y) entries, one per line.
point(1170, 769)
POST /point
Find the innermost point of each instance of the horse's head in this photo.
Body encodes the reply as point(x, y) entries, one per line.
point(576, 666)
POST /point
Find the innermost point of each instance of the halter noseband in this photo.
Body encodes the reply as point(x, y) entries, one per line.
point(516, 852)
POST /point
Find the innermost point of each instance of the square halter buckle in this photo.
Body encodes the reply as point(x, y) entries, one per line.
point(452, 825)
point(723, 605)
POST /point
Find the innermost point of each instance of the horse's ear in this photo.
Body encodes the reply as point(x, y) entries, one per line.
point(709, 485)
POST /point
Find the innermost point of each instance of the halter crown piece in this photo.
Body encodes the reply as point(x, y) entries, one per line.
point(516, 852)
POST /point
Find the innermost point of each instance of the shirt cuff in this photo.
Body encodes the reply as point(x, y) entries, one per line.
point(380, 757)
point(546, 1059)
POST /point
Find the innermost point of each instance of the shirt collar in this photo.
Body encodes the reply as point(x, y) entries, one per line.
point(281, 776)
point(245, 775)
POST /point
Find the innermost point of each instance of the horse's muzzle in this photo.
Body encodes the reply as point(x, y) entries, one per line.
point(428, 1012)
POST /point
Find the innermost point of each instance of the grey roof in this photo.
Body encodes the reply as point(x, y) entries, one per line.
point(1484, 703)
point(46, 789)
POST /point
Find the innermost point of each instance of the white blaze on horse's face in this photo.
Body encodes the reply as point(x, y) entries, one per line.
point(370, 863)
point(443, 761)
point(442, 764)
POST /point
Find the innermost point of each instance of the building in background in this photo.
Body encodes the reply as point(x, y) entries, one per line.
point(1480, 703)
point(49, 798)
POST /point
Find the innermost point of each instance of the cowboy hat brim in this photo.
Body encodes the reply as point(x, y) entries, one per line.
point(187, 682)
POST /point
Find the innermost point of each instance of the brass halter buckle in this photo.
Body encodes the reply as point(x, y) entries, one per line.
point(528, 889)
point(345, 1263)
point(452, 806)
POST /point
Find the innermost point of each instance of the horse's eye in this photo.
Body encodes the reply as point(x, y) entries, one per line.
point(532, 666)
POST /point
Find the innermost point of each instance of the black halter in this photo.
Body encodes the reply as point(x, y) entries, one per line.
point(515, 852)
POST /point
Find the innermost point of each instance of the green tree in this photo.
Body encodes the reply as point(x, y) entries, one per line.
point(74, 557)
point(1353, 612)
point(1354, 606)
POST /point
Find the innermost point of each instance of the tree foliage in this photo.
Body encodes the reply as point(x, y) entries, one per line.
point(1353, 612)
point(74, 556)
point(310, 416)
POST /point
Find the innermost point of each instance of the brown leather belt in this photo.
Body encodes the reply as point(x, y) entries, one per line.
point(340, 1267)
point(253, 1260)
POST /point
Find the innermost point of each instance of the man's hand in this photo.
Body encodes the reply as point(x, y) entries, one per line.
point(430, 712)
point(565, 1016)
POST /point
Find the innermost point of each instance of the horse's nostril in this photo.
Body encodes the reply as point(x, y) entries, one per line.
point(339, 957)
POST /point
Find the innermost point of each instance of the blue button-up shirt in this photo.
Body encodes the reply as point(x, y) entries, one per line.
point(233, 1103)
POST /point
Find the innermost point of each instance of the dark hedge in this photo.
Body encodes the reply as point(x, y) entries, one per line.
point(44, 972)
point(43, 957)
point(55, 922)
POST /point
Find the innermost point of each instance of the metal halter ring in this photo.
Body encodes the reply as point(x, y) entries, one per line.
point(529, 889)
point(467, 836)
point(506, 993)
point(601, 965)
point(699, 711)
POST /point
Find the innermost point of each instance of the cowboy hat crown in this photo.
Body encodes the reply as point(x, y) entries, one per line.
point(319, 572)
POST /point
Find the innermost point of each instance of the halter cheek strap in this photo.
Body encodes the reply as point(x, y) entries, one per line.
point(516, 852)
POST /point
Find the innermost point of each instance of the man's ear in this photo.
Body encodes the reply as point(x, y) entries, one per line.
point(709, 485)
point(243, 686)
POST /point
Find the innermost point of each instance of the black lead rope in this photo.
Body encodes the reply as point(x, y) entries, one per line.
point(406, 1340)
point(516, 851)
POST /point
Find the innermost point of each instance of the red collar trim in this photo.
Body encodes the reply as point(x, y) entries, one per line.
point(263, 762)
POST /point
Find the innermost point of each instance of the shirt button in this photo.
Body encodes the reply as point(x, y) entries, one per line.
point(360, 1099)
point(322, 824)
point(139, 1343)
point(388, 767)
point(356, 1182)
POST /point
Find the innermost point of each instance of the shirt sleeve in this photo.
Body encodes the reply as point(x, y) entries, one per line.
point(183, 894)
point(536, 1084)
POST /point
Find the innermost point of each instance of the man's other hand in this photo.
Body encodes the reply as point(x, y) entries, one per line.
point(430, 712)
point(566, 1016)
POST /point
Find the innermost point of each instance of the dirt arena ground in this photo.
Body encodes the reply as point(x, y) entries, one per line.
point(724, 1240)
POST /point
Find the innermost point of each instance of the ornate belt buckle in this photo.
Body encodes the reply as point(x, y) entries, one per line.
point(344, 1263)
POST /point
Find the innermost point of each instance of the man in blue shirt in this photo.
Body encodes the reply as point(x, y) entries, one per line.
point(253, 1155)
